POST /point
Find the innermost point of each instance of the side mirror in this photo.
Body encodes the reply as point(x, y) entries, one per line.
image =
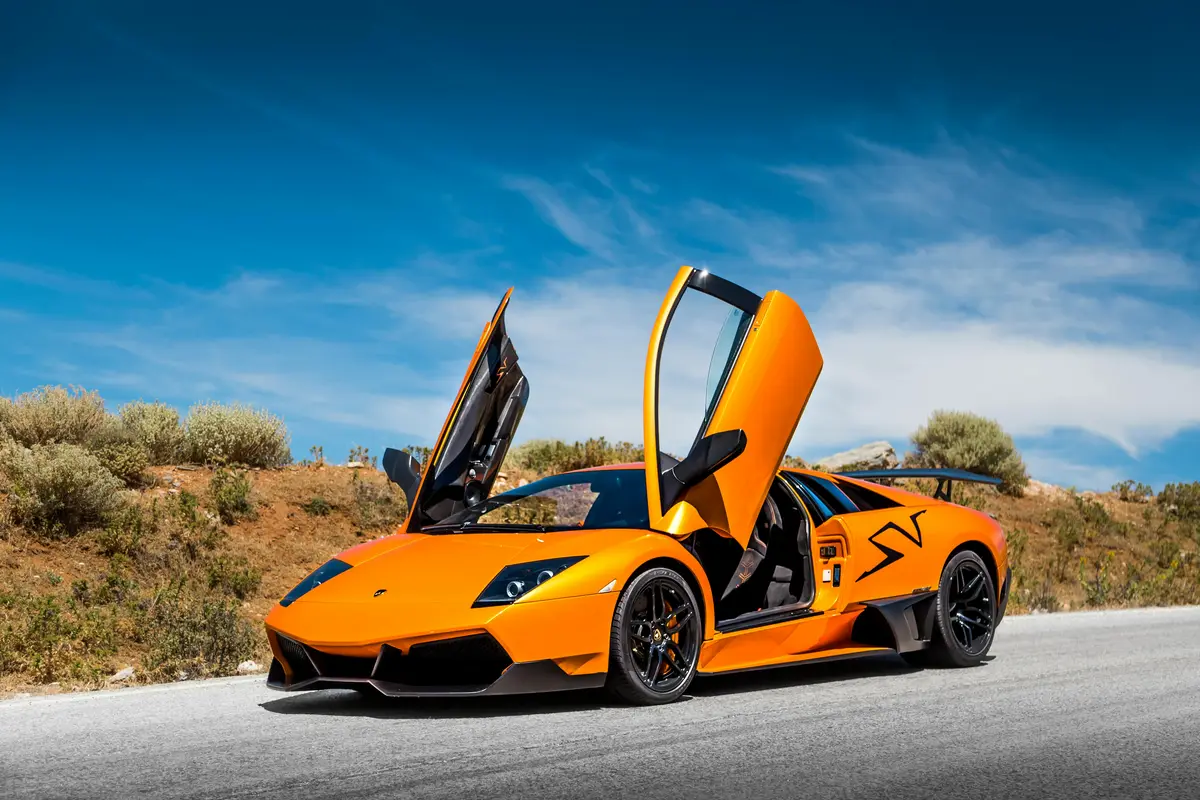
point(709, 455)
point(404, 471)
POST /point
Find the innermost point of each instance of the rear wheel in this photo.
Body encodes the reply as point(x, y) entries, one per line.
point(655, 641)
point(966, 615)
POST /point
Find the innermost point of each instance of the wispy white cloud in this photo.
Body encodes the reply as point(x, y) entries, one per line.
point(1083, 476)
point(585, 222)
point(65, 283)
point(970, 183)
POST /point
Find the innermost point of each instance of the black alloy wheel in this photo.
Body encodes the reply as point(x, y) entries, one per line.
point(655, 640)
point(966, 615)
point(971, 607)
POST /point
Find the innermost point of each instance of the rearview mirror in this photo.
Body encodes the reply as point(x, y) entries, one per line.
point(709, 455)
point(404, 471)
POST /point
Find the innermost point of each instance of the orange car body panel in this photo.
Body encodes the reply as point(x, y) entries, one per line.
point(408, 589)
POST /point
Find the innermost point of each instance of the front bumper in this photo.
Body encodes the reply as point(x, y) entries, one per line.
point(473, 665)
point(543, 646)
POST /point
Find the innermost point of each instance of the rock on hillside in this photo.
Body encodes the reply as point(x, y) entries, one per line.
point(1040, 489)
point(875, 455)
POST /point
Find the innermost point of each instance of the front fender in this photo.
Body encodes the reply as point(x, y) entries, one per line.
point(610, 569)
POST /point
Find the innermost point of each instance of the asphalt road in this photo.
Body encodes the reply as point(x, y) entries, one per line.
point(1072, 705)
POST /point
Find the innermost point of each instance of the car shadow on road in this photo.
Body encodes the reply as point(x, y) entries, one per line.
point(347, 703)
point(851, 669)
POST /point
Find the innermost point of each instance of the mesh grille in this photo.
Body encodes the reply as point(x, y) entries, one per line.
point(297, 661)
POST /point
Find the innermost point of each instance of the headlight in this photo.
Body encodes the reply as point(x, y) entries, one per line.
point(516, 580)
point(330, 569)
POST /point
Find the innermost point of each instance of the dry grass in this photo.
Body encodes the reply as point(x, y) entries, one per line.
point(166, 586)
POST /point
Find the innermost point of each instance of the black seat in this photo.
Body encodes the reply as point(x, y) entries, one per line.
point(748, 584)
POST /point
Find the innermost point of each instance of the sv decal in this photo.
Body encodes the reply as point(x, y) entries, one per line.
point(891, 556)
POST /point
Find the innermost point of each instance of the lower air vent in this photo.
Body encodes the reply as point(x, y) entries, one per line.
point(297, 661)
point(465, 661)
point(333, 666)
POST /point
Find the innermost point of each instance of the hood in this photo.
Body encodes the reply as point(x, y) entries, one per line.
point(430, 583)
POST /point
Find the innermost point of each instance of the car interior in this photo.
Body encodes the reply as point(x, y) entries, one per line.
point(773, 574)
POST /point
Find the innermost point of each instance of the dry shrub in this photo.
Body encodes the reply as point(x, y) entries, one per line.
point(52, 415)
point(235, 434)
point(119, 451)
point(58, 490)
point(551, 456)
point(155, 426)
point(376, 505)
point(961, 440)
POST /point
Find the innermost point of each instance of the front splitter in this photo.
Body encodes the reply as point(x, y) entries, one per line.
point(532, 677)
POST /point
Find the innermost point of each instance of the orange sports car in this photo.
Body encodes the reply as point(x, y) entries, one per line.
point(639, 577)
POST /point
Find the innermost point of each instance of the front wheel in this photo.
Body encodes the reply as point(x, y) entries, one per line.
point(966, 615)
point(655, 641)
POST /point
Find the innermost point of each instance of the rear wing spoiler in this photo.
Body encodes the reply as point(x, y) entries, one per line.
point(944, 477)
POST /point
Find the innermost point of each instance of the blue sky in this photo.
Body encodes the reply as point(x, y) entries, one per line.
point(313, 208)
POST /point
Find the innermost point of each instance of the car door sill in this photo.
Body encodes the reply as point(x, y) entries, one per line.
point(761, 619)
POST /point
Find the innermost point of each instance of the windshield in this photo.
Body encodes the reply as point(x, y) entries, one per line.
point(605, 498)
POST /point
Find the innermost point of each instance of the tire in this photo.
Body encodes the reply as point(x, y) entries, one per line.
point(645, 636)
point(966, 616)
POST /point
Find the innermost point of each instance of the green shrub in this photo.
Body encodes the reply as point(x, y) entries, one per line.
point(961, 440)
point(155, 426)
point(189, 528)
point(317, 507)
point(127, 529)
point(235, 434)
point(51, 639)
point(1181, 500)
point(550, 456)
point(234, 576)
point(362, 455)
point(1083, 522)
point(197, 634)
point(1131, 492)
point(58, 490)
point(52, 415)
point(230, 494)
point(421, 453)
